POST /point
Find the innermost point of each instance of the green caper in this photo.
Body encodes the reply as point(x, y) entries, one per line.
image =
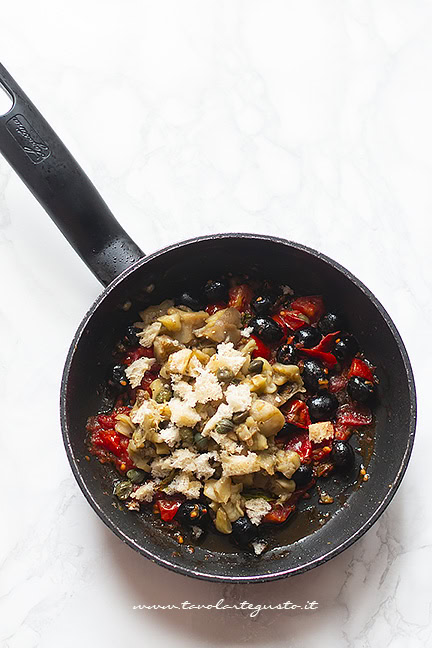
point(256, 366)
point(123, 489)
point(201, 442)
point(136, 475)
point(186, 435)
point(167, 480)
point(224, 375)
point(164, 395)
point(240, 417)
point(224, 426)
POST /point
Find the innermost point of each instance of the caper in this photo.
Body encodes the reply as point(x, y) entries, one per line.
point(164, 395)
point(240, 417)
point(224, 426)
point(167, 480)
point(256, 366)
point(123, 489)
point(136, 475)
point(201, 442)
point(224, 375)
point(186, 435)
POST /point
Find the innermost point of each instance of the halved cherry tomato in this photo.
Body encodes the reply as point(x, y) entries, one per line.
point(349, 416)
point(213, 308)
point(354, 415)
point(279, 513)
point(240, 297)
point(168, 508)
point(292, 319)
point(361, 369)
point(297, 413)
point(262, 350)
point(299, 442)
point(337, 383)
point(311, 306)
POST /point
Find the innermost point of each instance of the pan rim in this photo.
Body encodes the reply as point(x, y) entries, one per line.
point(274, 575)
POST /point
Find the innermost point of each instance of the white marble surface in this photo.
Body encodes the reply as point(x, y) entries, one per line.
point(308, 120)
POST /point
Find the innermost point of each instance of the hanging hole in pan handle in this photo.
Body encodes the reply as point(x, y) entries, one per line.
point(54, 177)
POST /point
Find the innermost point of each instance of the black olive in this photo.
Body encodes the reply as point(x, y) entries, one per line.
point(192, 302)
point(243, 531)
point(323, 406)
point(287, 354)
point(130, 338)
point(262, 305)
point(216, 291)
point(308, 337)
point(267, 329)
point(360, 390)
point(288, 429)
point(314, 375)
point(193, 514)
point(345, 347)
point(330, 323)
point(303, 475)
point(342, 455)
point(117, 379)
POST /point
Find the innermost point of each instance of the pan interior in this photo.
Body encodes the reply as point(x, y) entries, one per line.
point(184, 267)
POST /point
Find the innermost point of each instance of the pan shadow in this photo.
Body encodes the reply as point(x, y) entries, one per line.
point(346, 582)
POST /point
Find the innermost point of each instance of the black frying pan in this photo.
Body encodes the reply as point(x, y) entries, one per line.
point(44, 164)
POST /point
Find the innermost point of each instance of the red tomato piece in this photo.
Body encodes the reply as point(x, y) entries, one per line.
point(337, 383)
point(326, 343)
point(297, 413)
point(279, 513)
point(213, 308)
point(106, 421)
point(327, 358)
point(311, 306)
point(299, 442)
point(292, 319)
point(354, 415)
point(138, 352)
point(262, 350)
point(361, 369)
point(240, 297)
point(168, 508)
point(278, 319)
point(108, 445)
point(147, 381)
point(321, 350)
point(110, 441)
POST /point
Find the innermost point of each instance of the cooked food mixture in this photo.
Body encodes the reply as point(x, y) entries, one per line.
point(229, 405)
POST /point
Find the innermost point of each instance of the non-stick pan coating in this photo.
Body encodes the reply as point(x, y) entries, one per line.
point(178, 268)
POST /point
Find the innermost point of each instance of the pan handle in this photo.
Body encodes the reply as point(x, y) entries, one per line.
point(43, 162)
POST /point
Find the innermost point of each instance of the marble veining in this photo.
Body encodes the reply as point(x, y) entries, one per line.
point(310, 121)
